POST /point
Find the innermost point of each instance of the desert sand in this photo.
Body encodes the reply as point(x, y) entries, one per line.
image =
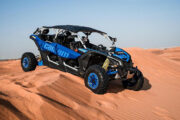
point(49, 94)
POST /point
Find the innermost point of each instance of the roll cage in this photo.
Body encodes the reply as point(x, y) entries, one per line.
point(61, 29)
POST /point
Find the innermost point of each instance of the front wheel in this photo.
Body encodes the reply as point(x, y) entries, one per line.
point(135, 83)
point(96, 79)
point(28, 62)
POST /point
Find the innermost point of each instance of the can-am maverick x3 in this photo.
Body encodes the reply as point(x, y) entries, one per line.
point(67, 51)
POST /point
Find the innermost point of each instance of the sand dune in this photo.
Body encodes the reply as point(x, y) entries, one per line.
point(49, 94)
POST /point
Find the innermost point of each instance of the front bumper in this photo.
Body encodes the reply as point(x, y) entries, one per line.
point(124, 73)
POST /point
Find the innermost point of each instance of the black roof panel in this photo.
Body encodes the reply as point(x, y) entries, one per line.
point(75, 28)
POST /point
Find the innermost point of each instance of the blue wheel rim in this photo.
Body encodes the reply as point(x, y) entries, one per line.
point(93, 80)
point(25, 62)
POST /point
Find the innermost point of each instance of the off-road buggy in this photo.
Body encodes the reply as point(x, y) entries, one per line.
point(67, 51)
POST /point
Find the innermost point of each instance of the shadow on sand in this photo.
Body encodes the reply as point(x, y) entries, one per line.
point(115, 86)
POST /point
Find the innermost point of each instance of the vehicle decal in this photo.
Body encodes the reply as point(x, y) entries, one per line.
point(83, 50)
point(63, 53)
point(56, 48)
point(34, 37)
point(49, 47)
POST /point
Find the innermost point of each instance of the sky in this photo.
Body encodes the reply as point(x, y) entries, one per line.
point(135, 23)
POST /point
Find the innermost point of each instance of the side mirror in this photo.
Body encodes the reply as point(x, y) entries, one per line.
point(37, 30)
point(114, 39)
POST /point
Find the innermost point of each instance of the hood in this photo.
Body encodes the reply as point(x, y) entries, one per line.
point(118, 53)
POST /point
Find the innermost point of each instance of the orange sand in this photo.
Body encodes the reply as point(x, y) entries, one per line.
point(49, 94)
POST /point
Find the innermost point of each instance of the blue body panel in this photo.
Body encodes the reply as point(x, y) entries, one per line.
point(83, 50)
point(124, 56)
point(56, 48)
point(40, 63)
point(109, 72)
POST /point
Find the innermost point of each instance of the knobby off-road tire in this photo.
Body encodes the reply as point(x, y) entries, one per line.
point(96, 79)
point(28, 62)
point(135, 83)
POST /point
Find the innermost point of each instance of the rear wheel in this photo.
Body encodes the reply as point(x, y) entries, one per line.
point(135, 83)
point(96, 79)
point(28, 62)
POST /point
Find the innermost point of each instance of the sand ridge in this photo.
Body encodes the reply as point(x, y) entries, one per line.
point(48, 94)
